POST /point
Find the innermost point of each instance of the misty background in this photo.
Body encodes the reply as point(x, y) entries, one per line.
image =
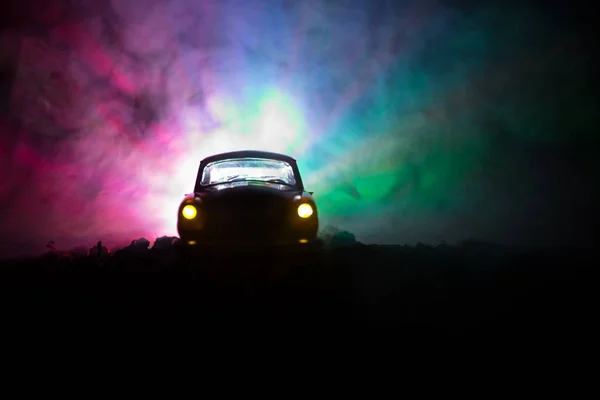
point(413, 121)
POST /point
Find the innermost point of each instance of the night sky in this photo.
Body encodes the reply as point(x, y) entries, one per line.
point(413, 121)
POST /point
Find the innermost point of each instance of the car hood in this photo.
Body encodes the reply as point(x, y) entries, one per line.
point(245, 188)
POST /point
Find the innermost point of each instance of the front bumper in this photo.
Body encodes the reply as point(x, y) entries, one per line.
point(200, 240)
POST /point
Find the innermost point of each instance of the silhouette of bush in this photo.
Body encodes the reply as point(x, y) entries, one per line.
point(137, 248)
point(164, 243)
point(335, 238)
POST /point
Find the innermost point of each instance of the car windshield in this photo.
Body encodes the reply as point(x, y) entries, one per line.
point(253, 169)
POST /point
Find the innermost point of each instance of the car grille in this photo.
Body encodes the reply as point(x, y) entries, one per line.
point(248, 216)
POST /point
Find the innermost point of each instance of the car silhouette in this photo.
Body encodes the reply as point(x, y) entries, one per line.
point(249, 197)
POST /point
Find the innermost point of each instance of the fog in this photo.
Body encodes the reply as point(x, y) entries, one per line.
point(413, 121)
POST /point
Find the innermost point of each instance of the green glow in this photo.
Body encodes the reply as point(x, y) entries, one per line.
point(429, 130)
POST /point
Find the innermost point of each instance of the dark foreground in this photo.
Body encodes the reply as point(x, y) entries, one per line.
point(365, 297)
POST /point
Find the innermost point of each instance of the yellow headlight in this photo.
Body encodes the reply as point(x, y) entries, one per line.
point(305, 210)
point(189, 212)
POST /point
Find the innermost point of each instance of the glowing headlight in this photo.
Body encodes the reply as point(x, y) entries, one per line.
point(305, 210)
point(189, 212)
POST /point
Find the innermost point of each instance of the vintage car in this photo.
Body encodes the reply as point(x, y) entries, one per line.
point(248, 197)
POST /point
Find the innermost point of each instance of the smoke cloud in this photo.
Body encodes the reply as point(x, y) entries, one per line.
point(411, 120)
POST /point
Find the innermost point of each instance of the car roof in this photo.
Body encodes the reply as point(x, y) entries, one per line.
point(248, 153)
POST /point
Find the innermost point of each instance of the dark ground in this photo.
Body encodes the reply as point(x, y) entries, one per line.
point(357, 298)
